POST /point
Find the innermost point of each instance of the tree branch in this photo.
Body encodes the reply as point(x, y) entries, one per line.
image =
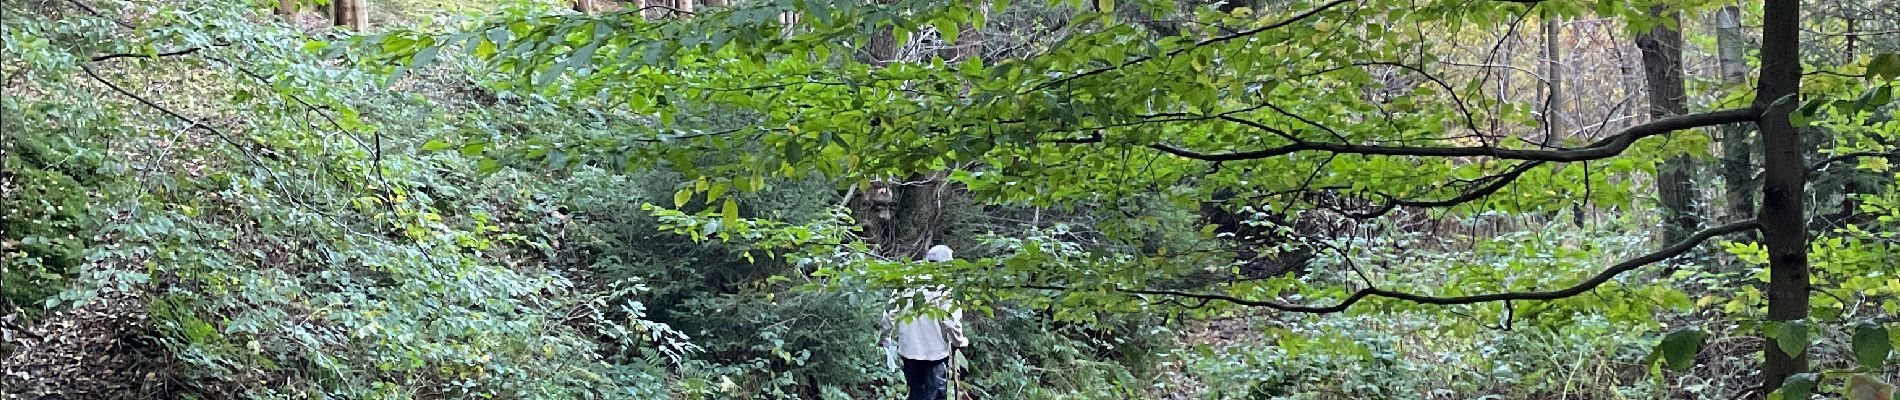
point(189, 122)
point(1606, 148)
point(1817, 166)
point(1470, 122)
point(104, 57)
point(1196, 45)
point(1495, 183)
point(1581, 287)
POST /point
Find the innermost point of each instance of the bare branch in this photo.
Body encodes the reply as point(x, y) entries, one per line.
point(104, 57)
point(1605, 148)
point(1470, 122)
point(189, 122)
point(1196, 45)
point(1491, 184)
point(1580, 288)
point(1818, 165)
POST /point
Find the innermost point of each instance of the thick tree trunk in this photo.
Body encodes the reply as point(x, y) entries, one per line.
point(883, 46)
point(1782, 214)
point(586, 6)
point(901, 219)
point(1662, 73)
point(349, 13)
point(1738, 154)
point(919, 223)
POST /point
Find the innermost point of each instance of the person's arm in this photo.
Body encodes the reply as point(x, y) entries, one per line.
point(884, 326)
point(954, 326)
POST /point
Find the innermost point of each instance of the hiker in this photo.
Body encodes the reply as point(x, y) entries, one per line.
point(926, 343)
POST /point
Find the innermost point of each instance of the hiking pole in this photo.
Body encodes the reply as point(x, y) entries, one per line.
point(956, 380)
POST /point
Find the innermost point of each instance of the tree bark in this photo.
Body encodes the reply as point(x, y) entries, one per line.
point(919, 223)
point(1662, 73)
point(349, 13)
point(286, 9)
point(1554, 130)
point(883, 46)
point(1782, 215)
point(1738, 164)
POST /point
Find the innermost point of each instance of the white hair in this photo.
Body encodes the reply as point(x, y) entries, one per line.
point(937, 253)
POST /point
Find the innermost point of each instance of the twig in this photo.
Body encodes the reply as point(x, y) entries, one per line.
point(1817, 166)
point(1196, 45)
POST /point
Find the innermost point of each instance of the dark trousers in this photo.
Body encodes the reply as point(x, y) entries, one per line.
point(928, 380)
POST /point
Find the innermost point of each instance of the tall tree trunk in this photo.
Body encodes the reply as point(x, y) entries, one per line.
point(1554, 129)
point(349, 13)
point(1782, 215)
point(586, 6)
point(1738, 155)
point(1662, 73)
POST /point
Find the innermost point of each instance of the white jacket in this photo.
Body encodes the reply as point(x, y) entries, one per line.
point(925, 337)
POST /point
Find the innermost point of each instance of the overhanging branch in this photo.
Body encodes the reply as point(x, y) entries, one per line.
point(1581, 287)
point(1486, 186)
point(1817, 166)
point(1606, 148)
point(104, 57)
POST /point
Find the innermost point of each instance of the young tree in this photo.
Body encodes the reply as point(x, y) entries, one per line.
point(1553, 72)
point(1784, 185)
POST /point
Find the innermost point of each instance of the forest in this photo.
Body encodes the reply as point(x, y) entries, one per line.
point(1146, 199)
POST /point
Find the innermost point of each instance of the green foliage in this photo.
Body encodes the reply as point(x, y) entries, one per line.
point(1395, 356)
point(784, 346)
point(293, 253)
point(1678, 349)
point(541, 204)
point(1027, 353)
point(50, 182)
point(1799, 386)
point(1871, 344)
